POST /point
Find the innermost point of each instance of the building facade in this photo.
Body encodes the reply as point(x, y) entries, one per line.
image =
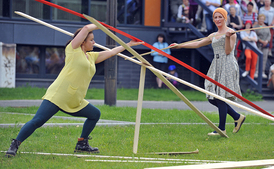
point(40, 50)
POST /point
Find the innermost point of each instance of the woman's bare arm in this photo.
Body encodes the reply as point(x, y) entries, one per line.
point(81, 36)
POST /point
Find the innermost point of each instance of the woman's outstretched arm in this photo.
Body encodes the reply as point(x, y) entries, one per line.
point(107, 54)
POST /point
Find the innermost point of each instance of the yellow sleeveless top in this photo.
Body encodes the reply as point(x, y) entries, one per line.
point(70, 87)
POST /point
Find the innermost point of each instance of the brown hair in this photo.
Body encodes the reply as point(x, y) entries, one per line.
point(75, 34)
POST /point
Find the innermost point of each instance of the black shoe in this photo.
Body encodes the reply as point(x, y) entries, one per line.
point(13, 148)
point(83, 146)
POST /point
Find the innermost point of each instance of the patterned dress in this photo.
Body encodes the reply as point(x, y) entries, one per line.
point(224, 69)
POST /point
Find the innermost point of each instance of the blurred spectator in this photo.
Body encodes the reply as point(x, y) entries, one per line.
point(268, 11)
point(237, 7)
point(132, 10)
point(260, 4)
point(250, 15)
point(160, 61)
point(234, 21)
point(251, 56)
point(172, 71)
point(193, 7)
point(200, 19)
point(212, 5)
point(223, 3)
point(174, 5)
point(270, 83)
point(183, 12)
point(264, 37)
point(244, 4)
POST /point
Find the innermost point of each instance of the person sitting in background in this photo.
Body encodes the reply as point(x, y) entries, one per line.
point(193, 7)
point(174, 5)
point(183, 12)
point(172, 71)
point(268, 11)
point(250, 15)
point(260, 4)
point(244, 4)
point(251, 56)
point(237, 8)
point(234, 21)
point(270, 83)
point(264, 37)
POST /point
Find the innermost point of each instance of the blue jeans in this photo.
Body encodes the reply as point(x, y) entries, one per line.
point(47, 109)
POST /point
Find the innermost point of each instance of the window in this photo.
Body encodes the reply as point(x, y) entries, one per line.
point(75, 5)
point(30, 7)
point(133, 10)
point(54, 60)
point(1, 8)
point(98, 10)
point(27, 60)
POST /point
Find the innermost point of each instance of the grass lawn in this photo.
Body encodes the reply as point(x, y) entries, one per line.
point(122, 94)
point(252, 142)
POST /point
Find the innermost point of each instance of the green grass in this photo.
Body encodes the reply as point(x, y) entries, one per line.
point(122, 94)
point(148, 115)
point(253, 141)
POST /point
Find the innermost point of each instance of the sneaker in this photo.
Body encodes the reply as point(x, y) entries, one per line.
point(264, 76)
point(13, 148)
point(83, 146)
point(269, 53)
point(238, 123)
point(215, 133)
point(256, 75)
point(245, 73)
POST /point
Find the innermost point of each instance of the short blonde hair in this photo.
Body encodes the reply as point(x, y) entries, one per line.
point(261, 15)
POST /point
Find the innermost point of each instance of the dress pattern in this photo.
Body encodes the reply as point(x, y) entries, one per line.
point(224, 69)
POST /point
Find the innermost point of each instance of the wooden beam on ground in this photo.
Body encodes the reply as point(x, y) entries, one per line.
point(238, 164)
point(176, 153)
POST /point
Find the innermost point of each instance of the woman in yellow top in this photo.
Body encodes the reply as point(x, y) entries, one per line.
point(68, 91)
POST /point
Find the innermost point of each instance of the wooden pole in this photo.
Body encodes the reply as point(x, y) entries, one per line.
point(236, 164)
point(139, 109)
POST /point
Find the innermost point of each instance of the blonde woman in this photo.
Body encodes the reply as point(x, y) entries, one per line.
point(223, 69)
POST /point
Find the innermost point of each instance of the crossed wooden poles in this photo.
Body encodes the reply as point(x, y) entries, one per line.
point(164, 54)
point(145, 64)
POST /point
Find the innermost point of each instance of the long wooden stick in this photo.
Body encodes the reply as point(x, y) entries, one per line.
point(151, 68)
point(236, 164)
point(139, 109)
point(195, 40)
point(176, 153)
